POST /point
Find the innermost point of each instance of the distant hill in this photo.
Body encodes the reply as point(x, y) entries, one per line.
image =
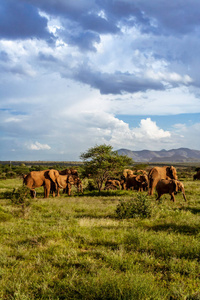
point(173, 155)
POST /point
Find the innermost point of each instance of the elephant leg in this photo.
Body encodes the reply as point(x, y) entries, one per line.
point(172, 197)
point(69, 189)
point(54, 188)
point(153, 187)
point(140, 188)
point(33, 193)
point(45, 192)
point(78, 188)
point(48, 192)
point(159, 195)
point(149, 187)
point(150, 192)
point(47, 189)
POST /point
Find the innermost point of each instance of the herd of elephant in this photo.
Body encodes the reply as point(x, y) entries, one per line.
point(163, 179)
point(52, 181)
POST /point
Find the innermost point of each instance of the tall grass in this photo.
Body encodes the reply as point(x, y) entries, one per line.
point(77, 248)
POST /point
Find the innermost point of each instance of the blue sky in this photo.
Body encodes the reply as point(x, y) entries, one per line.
point(165, 122)
point(74, 74)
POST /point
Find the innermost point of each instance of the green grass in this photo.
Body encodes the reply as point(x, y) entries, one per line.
point(76, 247)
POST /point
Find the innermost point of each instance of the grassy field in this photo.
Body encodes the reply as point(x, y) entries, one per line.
point(76, 247)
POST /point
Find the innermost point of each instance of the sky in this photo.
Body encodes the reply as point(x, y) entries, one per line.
point(80, 73)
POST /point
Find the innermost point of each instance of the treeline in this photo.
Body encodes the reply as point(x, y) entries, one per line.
point(10, 170)
point(41, 163)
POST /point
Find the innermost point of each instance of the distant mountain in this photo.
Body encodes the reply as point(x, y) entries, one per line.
point(173, 155)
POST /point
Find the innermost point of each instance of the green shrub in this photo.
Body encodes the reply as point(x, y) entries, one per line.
point(21, 196)
point(21, 199)
point(38, 168)
point(91, 186)
point(11, 174)
point(139, 206)
point(3, 175)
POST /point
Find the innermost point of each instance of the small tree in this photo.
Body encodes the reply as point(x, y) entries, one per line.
point(101, 162)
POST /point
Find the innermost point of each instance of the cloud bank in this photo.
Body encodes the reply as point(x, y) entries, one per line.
point(69, 67)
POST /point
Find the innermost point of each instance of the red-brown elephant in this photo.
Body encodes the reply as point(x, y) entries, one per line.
point(137, 182)
point(49, 179)
point(158, 173)
point(166, 186)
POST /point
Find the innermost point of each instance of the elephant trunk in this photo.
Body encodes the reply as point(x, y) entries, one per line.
point(183, 192)
point(184, 196)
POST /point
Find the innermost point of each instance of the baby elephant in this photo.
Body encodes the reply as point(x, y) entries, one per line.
point(169, 186)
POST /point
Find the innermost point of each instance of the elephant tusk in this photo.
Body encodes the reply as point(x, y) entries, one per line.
point(60, 186)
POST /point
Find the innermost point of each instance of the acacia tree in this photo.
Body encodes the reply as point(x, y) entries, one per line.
point(101, 162)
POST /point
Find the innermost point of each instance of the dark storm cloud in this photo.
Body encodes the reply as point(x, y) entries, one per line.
point(82, 23)
point(116, 83)
point(85, 13)
point(19, 20)
point(160, 17)
point(85, 40)
point(172, 17)
point(73, 34)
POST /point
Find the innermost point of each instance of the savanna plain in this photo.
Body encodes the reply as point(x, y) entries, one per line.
point(77, 247)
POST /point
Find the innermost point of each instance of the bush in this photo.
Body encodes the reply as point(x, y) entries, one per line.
point(11, 174)
point(20, 196)
point(3, 175)
point(139, 206)
point(91, 186)
point(38, 168)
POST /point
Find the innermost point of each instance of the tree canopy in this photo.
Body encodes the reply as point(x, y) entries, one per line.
point(101, 162)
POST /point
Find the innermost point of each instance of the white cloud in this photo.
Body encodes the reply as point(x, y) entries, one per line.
point(149, 129)
point(56, 86)
point(170, 77)
point(38, 146)
point(12, 119)
point(105, 128)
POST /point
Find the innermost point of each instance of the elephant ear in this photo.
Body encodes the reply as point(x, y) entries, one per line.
point(53, 174)
point(173, 172)
point(180, 186)
point(70, 179)
point(74, 172)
